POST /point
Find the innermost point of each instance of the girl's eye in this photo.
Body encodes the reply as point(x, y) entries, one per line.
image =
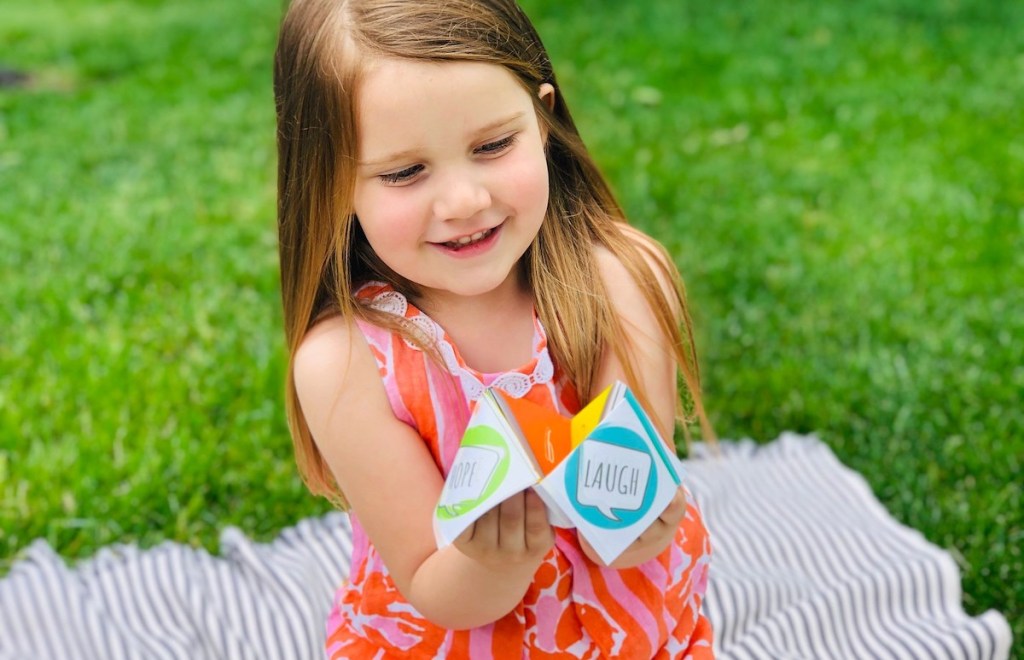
point(497, 146)
point(401, 176)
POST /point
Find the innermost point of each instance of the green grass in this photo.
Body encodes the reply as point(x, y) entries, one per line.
point(842, 186)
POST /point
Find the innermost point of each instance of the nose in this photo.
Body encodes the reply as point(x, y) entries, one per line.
point(460, 196)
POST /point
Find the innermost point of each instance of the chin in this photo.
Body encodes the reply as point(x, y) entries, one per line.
point(470, 287)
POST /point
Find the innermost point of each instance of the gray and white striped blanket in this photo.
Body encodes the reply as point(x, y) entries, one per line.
point(807, 564)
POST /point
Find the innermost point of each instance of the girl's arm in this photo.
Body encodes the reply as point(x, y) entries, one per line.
point(392, 484)
point(655, 366)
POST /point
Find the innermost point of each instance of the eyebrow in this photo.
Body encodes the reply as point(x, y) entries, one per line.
point(399, 156)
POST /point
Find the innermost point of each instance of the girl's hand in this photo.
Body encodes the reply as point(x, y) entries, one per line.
point(514, 532)
point(653, 541)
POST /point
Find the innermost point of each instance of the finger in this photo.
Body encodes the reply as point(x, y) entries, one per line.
point(512, 519)
point(675, 510)
point(666, 523)
point(539, 535)
point(465, 538)
point(657, 534)
point(485, 529)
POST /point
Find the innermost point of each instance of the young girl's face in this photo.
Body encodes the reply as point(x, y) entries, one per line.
point(452, 182)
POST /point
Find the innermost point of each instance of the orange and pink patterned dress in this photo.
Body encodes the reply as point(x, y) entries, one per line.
point(574, 608)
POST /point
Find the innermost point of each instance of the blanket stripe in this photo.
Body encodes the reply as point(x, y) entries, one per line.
point(807, 564)
point(174, 601)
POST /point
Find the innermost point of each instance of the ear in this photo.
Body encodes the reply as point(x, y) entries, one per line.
point(547, 95)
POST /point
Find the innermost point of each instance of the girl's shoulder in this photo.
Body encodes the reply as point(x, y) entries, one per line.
point(325, 359)
point(329, 342)
point(633, 262)
point(329, 333)
point(334, 371)
point(654, 252)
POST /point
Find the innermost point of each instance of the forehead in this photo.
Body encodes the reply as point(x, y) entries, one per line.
point(405, 104)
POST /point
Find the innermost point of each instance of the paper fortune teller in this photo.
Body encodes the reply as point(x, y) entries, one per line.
point(605, 472)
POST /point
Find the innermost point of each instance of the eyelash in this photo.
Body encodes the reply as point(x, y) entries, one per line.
point(401, 175)
point(497, 146)
point(489, 149)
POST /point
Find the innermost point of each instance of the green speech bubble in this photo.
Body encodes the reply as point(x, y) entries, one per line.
point(483, 437)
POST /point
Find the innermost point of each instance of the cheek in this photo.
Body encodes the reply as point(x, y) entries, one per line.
point(528, 185)
point(386, 218)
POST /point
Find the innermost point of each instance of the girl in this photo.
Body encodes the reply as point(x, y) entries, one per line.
point(443, 229)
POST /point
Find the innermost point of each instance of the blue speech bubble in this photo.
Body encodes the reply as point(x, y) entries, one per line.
point(585, 476)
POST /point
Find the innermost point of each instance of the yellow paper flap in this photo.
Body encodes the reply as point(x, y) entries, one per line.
point(588, 418)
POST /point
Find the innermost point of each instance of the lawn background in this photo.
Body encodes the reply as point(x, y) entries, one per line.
point(841, 184)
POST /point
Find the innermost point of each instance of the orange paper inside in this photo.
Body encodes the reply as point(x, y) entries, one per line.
point(548, 433)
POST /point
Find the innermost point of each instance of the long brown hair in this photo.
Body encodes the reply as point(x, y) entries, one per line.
point(324, 255)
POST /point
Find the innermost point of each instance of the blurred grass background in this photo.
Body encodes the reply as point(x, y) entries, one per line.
point(842, 185)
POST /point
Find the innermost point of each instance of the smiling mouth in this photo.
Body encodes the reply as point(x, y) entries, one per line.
point(468, 240)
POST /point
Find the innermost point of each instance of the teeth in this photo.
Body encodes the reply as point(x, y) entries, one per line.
point(466, 240)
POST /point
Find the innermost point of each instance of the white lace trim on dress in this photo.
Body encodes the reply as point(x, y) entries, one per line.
point(513, 383)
